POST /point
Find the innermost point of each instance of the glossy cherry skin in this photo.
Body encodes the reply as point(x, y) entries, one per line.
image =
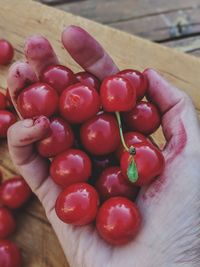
point(2, 101)
point(88, 79)
point(118, 221)
point(131, 138)
point(6, 120)
point(149, 161)
point(6, 52)
point(137, 79)
point(112, 184)
point(100, 135)
point(36, 100)
point(59, 77)
point(77, 204)
point(59, 139)
point(117, 94)
point(72, 166)
point(15, 192)
point(7, 223)
point(10, 255)
point(144, 118)
point(78, 103)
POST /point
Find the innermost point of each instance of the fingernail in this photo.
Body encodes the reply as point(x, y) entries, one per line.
point(28, 123)
point(42, 120)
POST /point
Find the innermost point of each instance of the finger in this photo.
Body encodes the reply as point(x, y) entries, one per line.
point(87, 52)
point(39, 53)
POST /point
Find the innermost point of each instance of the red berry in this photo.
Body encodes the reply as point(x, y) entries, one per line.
point(60, 138)
point(118, 220)
point(71, 167)
point(137, 79)
point(6, 52)
point(2, 101)
point(88, 79)
point(59, 77)
point(100, 135)
point(36, 100)
point(7, 223)
point(112, 184)
point(149, 161)
point(9, 254)
point(144, 118)
point(78, 103)
point(117, 94)
point(15, 192)
point(77, 204)
point(6, 120)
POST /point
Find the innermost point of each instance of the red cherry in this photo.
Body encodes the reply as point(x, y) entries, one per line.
point(36, 100)
point(2, 101)
point(6, 52)
point(100, 135)
point(59, 77)
point(131, 138)
point(9, 254)
point(71, 167)
point(15, 192)
point(117, 94)
point(7, 223)
point(149, 161)
point(78, 103)
point(112, 184)
point(118, 220)
point(88, 79)
point(60, 138)
point(6, 120)
point(77, 204)
point(144, 118)
point(137, 79)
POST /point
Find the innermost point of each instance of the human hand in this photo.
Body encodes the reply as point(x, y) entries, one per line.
point(169, 206)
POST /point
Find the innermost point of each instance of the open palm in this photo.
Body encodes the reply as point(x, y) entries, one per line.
point(169, 206)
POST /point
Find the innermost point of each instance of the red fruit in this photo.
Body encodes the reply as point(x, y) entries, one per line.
point(7, 223)
point(59, 77)
point(118, 220)
point(149, 161)
point(6, 120)
point(100, 135)
point(131, 139)
point(117, 94)
point(78, 103)
point(71, 167)
point(9, 254)
point(144, 118)
point(137, 79)
point(112, 184)
point(36, 100)
point(2, 101)
point(88, 79)
point(15, 192)
point(77, 204)
point(6, 52)
point(60, 138)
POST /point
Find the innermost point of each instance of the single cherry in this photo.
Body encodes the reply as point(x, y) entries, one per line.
point(6, 120)
point(137, 79)
point(60, 138)
point(59, 77)
point(118, 221)
point(88, 79)
point(36, 100)
point(10, 255)
point(144, 118)
point(78, 103)
point(6, 52)
point(117, 94)
point(70, 167)
point(7, 223)
point(100, 135)
point(2, 101)
point(77, 204)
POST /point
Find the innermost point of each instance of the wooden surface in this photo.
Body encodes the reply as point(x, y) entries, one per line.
point(19, 19)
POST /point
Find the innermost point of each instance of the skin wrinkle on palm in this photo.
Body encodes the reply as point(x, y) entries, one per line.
point(169, 217)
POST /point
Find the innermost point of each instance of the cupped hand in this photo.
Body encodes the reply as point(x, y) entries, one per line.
point(169, 206)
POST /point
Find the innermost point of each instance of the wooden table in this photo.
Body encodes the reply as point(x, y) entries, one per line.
point(21, 18)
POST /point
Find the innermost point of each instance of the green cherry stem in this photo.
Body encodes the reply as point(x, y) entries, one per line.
point(121, 131)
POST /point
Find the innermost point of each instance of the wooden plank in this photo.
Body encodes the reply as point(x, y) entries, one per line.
point(188, 45)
